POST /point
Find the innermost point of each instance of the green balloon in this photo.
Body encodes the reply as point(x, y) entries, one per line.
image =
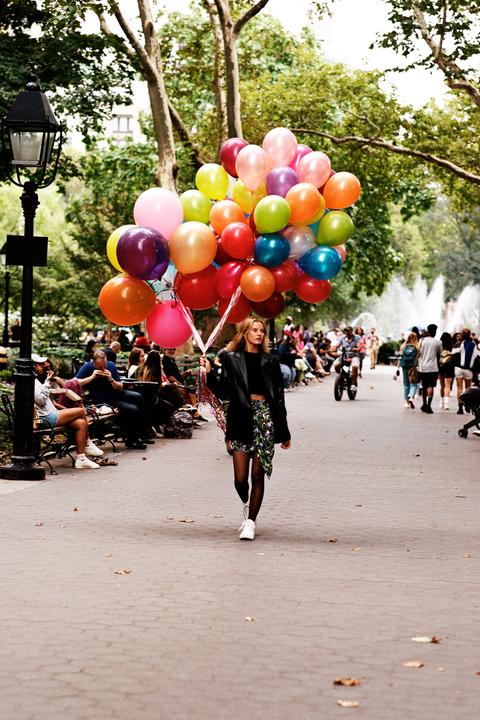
point(196, 206)
point(271, 214)
point(334, 229)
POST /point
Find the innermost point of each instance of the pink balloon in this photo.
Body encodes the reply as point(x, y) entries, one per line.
point(341, 250)
point(314, 168)
point(167, 325)
point(280, 144)
point(252, 166)
point(302, 150)
point(159, 208)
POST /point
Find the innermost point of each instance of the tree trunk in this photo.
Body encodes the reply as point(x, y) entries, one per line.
point(167, 166)
point(234, 121)
point(220, 74)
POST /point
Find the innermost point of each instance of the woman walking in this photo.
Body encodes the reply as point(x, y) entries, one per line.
point(256, 418)
point(464, 368)
point(408, 362)
point(446, 371)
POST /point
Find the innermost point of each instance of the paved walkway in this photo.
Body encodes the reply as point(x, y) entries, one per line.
point(125, 593)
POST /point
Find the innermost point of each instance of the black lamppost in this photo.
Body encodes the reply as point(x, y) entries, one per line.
point(31, 142)
point(6, 303)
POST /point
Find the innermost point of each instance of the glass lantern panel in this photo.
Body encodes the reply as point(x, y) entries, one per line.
point(27, 147)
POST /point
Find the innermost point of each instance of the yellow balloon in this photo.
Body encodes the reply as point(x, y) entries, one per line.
point(318, 216)
point(193, 247)
point(212, 181)
point(112, 243)
point(245, 198)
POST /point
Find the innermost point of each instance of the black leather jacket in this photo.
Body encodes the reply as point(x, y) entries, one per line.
point(233, 386)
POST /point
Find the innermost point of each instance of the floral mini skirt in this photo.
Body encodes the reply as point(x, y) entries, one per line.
point(263, 436)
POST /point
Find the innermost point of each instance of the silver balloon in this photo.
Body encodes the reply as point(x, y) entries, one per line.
point(301, 239)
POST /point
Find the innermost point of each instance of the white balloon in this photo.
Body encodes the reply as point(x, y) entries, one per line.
point(301, 239)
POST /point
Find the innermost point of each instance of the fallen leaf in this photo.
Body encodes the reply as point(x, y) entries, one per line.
point(218, 516)
point(108, 555)
point(187, 520)
point(477, 673)
point(347, 681)
point(122, 572)
point(249, 618)
point(75, 509)
point(356, 549)
point(465, 556)
point(424, 639)
point(348, 703)
point(62, 526)
point(170, 517)
point(358, 505)
point(38, 524)
point(333, 540)
point(144, 458)
point(413, 664)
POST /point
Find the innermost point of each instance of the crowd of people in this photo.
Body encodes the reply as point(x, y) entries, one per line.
point(146, 398)
point(426, 360)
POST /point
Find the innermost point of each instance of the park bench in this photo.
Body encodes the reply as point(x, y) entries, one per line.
point(56, 443)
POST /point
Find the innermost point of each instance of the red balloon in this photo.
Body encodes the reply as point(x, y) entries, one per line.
point(270, 308)
point(239, 312)
point(221, 257)
point(285, 276)
point(251, 222)
point(197, 290)
point(228, 277)
point(311, 290)
point(238, 240)
point(229, 152)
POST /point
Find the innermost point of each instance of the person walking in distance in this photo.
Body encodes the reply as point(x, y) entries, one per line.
point(373, 343)
point(446, 370)
point(256, 417)
point(464, 370)
point(428, 366)
point(407, 361)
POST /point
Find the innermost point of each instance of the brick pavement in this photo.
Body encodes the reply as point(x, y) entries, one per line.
point(369, 536)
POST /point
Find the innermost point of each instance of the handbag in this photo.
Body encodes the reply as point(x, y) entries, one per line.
point(413, 375)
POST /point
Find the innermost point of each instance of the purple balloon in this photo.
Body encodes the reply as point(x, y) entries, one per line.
point(143, 253)
point(280, 180)
point(302, 150)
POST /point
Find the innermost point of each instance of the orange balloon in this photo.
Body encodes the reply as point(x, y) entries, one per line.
point(341, 190)
point(124, 300)
point(318, 215)
point(192, 247)
point(305, 202)
point(257, 283)
point(225, 212)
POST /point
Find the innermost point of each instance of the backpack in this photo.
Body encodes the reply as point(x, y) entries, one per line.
point(409, 355)
point(180, 425)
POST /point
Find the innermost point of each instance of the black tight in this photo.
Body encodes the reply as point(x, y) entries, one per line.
point(241, 464)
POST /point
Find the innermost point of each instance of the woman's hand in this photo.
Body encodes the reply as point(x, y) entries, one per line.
point(286, 445)
point(205, 363)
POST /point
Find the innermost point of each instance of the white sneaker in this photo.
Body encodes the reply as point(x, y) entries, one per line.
point(247, 530)
point(86, 464)
point(93, 450)
point(446, 402)
point(476, 433)
point(406, 404)
point(246, 508)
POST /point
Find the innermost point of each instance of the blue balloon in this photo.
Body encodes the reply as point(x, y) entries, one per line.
point(321, 262)
point(271, 250)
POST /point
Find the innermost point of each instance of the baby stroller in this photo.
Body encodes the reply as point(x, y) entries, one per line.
point(471, 400)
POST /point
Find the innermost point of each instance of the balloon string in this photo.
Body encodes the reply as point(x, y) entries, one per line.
point(204, 347)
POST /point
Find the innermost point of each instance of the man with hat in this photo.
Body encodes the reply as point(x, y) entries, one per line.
point(52, 415)
point(428, 366)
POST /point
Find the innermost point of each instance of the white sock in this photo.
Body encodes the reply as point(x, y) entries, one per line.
point(81, 456)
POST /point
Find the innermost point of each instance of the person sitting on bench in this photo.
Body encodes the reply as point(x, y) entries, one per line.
point(106, 388)
point(52, 415)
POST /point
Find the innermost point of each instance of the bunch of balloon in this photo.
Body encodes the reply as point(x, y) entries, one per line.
point(266, 221)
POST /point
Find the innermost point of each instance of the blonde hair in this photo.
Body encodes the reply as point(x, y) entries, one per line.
point(412, 339)
point(239, 341)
